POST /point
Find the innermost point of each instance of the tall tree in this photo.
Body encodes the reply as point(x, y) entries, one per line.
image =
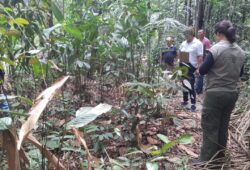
point(189, 13)
point(200, 18)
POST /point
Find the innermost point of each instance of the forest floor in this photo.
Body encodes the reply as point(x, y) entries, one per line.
point(133, 143)
point(124, 140)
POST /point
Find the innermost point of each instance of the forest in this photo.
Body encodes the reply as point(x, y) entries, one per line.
point(82, 86)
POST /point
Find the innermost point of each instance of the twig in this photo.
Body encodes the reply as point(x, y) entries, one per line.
point(240, 144)
point(83, 142)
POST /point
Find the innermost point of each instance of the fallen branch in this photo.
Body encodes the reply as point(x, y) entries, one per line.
point(41, 102)
point(12, 154)
point(188, 151)
point(240, 144)
point(83, 142)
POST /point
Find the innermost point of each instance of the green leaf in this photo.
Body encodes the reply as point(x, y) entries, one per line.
point(185, 139)
point(39, 68)
point(168, 145)
point(83, 110)
point(21, 21)
point(152, 166)
point(57, 12)
point(33, 61)
point(53, 143)
point(156, 152)
point(13, 32)
point(82, 64)
point(91, 128)
point(2, 30)
point(118, 132)
point(117, 165)
point(165, 148)
point(8, 61)
point(86, 115)
point(5, 122)
point(8, 9)
point(73, 31)
point(163, 138)
point(26, 100)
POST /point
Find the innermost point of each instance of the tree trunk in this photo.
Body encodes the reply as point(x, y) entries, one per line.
point(176, 9)
point(208, 17)
point(186, 10)
point(243, 19)
point(189, 13)
point(200, 18)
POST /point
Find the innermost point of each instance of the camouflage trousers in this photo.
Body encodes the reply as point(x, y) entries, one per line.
point(217, 108)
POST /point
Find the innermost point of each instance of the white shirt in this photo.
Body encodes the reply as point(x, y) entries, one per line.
point(194, 48)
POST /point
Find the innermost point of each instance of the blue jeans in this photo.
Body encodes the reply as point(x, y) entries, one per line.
point(199, 84)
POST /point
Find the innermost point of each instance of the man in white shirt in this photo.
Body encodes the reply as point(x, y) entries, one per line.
point(195, 49)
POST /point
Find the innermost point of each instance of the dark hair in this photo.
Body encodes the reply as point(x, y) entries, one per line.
point(226, 28)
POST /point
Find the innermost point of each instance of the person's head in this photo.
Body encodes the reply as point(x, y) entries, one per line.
point(201, 34)
point(169, 41)
point(189, 34)
point(224, 30)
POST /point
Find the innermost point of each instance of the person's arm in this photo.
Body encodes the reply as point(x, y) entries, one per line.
point(207, 64)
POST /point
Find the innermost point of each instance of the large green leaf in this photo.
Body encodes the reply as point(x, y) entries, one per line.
point(83, 110)
point(86, 114)
point(57, 12)
point(5, 122)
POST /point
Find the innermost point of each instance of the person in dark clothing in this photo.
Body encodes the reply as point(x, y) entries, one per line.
point(222, 66)
point(169, 54)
